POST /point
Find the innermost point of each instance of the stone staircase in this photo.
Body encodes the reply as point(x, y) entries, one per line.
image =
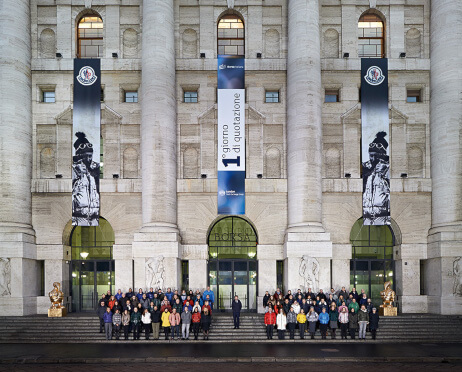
point(81, 328)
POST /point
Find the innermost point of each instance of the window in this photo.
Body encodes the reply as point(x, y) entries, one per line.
point(90, 37)
point(272, 96)
point(49, 97)
point(370, 37)
point(332, 95)
point(190, 97)
point(185, 275)
point(231, 36)
point(413, 96)
point(131, 97)
point(101, 97)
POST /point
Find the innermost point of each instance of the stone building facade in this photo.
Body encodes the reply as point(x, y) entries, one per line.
point(303, 177)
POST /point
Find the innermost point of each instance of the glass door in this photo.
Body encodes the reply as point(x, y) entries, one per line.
point(90, 279)
point(87, 286)
point(234, 277)
point(241, 282)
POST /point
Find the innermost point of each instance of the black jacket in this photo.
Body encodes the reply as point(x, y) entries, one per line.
point(374, 321)
point(155, 315)
point(236, 306)
point(265, 300)
point(100, 311)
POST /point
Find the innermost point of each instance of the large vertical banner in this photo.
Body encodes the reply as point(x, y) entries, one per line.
point(231, 135)
point(375, 129)
point(86, 147)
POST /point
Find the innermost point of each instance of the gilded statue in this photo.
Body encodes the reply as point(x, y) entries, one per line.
point(388, 295)
point(56, 296)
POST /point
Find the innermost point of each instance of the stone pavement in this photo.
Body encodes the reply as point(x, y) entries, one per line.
point(244, 367)
point(105, 354)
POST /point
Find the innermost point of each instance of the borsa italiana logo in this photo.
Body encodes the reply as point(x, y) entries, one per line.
point(86, 76)
point(374, 75)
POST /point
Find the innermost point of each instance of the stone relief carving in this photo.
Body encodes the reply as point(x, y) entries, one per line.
point(155, 271)
point(5, 277)
point(309, 271)
point(457, 272)
point(230, 4)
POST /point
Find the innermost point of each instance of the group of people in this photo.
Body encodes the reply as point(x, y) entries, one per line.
point(150, 311)
point(349, 310)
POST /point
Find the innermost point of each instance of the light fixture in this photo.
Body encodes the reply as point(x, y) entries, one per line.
point(403, 175)
point(258, 55)
point(259, 175)
point(346, 55)
point(402, 55)
point(84, 255)
point(347, 175)
point(115, 55)
point(58, 175)
point(203, 176)
point(59, 55)
point(202, 55)
point(74, 275)
point(115, 175)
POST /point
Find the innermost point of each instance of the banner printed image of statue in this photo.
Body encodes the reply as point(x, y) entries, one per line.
point(85, 183)
point(376, 183)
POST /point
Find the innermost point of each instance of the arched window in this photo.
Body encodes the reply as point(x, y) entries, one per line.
point(372, 264)
point(231, 39)
point(90, 37)
point(371, 41)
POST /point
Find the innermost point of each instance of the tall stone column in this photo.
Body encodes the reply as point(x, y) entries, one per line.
point(305, 235)
point(159, 234)
point(443, 270)
point(18, 269)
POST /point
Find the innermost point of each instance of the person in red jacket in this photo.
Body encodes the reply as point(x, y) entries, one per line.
point(270, 321)
point(196, 322)
point(207, 306)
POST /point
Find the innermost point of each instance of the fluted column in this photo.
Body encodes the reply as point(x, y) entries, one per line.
point(158, 115)
point(17, 238)
point(158, 236)
point(445, 236)
point(305, 234)
point(304, 132)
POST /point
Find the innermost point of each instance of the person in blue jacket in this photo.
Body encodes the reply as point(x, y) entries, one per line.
point(211, 296)
point(139, 295)
point(169, 295)
point(107, 318)
point(150, 294)
point(323, 322)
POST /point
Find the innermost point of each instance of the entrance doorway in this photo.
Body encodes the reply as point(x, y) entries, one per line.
point(92, 266)
point(233, 268)
point(372, 264)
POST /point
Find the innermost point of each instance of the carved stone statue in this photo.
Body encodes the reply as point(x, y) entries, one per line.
point(457, 271)
point(309, 271)
point(56, 296)
point(155, 270)
point(5, 277)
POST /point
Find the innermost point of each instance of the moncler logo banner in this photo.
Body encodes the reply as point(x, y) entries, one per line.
point(375, 141)
point(231, 135)
point(86, 142)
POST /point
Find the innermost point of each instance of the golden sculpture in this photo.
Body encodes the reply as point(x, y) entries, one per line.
point(57, 308)
point(388, 297)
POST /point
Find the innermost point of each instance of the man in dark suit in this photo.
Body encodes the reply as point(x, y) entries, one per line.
point(236, 306)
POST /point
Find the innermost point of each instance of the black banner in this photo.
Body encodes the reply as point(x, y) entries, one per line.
point(86, 146)
point(375, 136)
